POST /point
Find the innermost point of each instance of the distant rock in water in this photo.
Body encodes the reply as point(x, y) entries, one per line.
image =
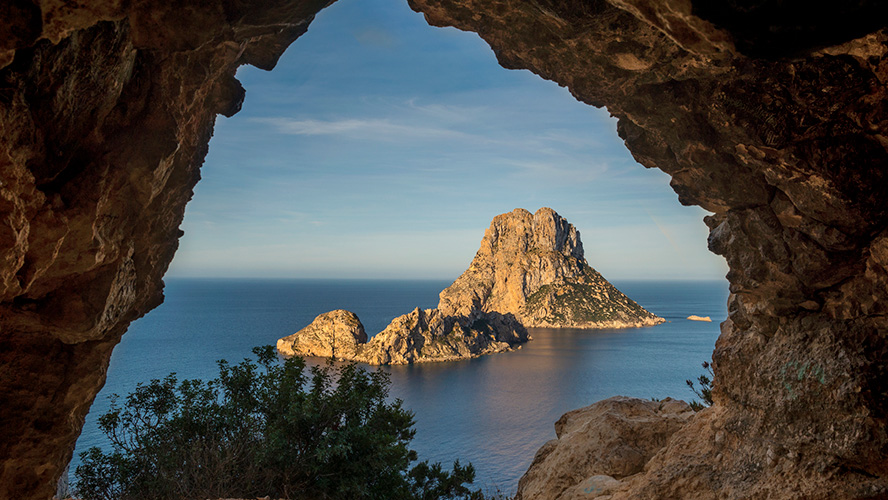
point(694, 317)
point(417, 337)
point(529, 272)
point(336, 333)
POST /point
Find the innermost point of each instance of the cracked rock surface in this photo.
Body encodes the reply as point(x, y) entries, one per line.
point(769, 114)
point(106, 109)
point(788, 150)
point(529, 272)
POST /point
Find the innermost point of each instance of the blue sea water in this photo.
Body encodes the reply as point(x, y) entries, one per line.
point(494, 411)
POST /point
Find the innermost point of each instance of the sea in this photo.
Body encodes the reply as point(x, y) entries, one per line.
point(493, 411)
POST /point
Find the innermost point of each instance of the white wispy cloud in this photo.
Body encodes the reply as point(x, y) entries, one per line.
point(447, 112)
point(362, 128)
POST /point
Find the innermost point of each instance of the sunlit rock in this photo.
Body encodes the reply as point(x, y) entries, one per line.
point(530, 271)
point(332, 334)
point(600, 444)
point(694, 317)
point(532, 266)
point(771, 118)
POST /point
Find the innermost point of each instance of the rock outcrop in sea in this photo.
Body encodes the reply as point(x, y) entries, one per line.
point(417, 337)
point(532, 266)
point(529, 272)
point(694, 317)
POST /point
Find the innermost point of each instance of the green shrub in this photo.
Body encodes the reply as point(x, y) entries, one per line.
point(265, 428)
point(705, 390)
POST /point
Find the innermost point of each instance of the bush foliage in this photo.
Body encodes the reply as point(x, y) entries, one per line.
point(705, 390)
point(265, 428)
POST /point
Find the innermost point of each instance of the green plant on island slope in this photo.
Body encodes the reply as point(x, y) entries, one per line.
point(265, 428)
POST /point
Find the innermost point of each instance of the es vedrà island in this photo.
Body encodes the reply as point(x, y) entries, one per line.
point(529, 272)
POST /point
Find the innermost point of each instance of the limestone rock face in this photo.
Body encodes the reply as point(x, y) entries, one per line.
point(771, 118)
point(106, 109)
point(529, 271)
point(786, 144)
point(532, 266)
point(332, 334)
point(600, 444)
point(429, 335)
point(420, 336)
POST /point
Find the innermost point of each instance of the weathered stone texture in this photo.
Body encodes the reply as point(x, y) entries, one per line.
point(420, 336)
point(789, 155)
point(106, 110)
point(529, 272)
point(600, 444)
point(769, 114)
point(332, 334)
point(532, 267)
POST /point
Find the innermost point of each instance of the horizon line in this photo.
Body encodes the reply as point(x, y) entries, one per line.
point(414, 278)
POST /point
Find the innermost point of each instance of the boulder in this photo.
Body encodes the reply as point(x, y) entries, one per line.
point(600, 444)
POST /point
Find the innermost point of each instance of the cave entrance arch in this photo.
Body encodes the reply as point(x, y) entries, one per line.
point(317, 145)
point(788, 153)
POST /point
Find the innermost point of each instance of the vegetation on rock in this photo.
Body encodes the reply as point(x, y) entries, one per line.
point(532, 265)
point(705, 390)
point(265, 428)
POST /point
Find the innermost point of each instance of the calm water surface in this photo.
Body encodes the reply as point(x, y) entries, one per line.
point(494, 411)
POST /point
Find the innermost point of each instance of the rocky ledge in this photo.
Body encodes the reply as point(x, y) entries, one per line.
point(599, 446)
point(529, 272)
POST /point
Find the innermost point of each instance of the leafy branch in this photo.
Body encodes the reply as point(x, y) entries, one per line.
point(705, 390)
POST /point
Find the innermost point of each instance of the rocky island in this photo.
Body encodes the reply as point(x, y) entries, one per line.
point(529, 272)
point(532, 266)
point(694, 317)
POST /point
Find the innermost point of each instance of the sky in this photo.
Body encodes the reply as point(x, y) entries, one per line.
point(381, 147)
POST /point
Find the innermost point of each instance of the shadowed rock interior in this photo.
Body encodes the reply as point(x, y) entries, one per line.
point(107, 108)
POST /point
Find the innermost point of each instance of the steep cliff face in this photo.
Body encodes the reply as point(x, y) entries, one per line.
point(106, 109)
point(532, 266)
point(789, 155)
point(770, 114)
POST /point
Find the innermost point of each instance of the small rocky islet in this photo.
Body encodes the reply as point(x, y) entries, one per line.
point(529, 272)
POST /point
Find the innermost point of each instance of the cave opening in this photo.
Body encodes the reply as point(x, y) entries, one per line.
point(379, 148)
point(784, 150)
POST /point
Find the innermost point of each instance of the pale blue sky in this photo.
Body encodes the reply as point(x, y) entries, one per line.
point(381, 147)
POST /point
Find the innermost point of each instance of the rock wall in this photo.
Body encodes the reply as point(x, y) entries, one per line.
point(789, 154)
point(106, 109)
point(770, 114)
